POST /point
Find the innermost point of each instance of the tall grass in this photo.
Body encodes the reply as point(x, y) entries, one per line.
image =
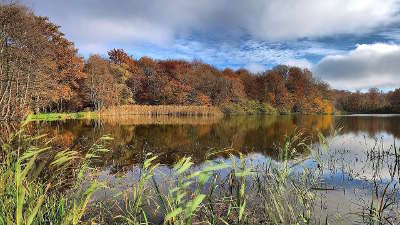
point(154, 110)
point(206, 196)
point(385, 192)
point(33, 177)
point(31, 183)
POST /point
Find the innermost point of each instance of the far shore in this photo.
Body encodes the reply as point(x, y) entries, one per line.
point(151, 110)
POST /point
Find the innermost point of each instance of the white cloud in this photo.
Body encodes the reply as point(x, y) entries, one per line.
point(368, 65)
point(254, 55)
point(302, 63)
point(255, 67)
point(159, 22)
point(93, 48)
point(315, 18)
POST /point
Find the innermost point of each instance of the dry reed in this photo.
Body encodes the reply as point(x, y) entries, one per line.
point(159, 120)
point(155, 110)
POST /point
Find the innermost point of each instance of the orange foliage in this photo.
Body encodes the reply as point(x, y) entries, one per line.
point(50, 76)
point(327, 107)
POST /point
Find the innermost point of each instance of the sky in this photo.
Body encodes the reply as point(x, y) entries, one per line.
point(351, 44)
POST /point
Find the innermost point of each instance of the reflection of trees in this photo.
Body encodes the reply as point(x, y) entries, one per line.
point(371, 125)
point(262, 133)
point(173, 140)
point(160, 120)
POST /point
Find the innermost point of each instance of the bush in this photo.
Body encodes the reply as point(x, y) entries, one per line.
point(248, 108)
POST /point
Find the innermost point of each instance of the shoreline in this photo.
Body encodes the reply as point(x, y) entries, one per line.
point(165, 110)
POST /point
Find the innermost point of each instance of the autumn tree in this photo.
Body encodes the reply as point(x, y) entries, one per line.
point(105, 85)
point(40, 70)
point(394, 100)
point(275, 90)
point(253, 85)
point(120, 57)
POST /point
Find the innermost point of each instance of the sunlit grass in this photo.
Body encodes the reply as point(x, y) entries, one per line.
point(61, 116)
point(171, 110)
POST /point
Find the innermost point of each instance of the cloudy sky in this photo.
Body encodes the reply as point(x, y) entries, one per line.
point(351, 44)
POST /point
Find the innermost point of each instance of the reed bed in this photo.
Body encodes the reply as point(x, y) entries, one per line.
point(158, 120)
point(217, 193)
point(34, 176)
point(155, 110)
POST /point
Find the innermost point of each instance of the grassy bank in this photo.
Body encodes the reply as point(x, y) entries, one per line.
point(243, 108)
point(61, 116)
point(240, 108)
point(131, 110)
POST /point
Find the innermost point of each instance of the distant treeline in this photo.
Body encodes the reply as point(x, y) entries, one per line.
point(40, 71)
point(374, 101)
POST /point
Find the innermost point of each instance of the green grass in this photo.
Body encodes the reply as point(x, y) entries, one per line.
point(61, 116)
point(31, 188)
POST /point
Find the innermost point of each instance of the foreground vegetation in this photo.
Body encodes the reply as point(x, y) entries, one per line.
point(41, 72)
point(32, 174)
point(30, 194)
point(44, 184)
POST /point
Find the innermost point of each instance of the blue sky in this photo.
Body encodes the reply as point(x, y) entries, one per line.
point(352, 44)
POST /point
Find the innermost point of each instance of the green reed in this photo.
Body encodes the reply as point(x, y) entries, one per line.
point(191, 195)
point(30, 194)
point(30, 172)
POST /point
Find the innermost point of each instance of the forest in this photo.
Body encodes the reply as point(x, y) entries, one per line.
point(41, 71)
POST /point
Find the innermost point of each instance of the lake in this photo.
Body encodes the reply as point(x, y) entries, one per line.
point(360, 160)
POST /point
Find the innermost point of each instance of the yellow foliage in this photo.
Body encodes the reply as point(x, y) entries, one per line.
point(327, 107)
point(318, 104)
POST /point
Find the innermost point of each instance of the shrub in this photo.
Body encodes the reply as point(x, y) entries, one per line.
point(248, 108)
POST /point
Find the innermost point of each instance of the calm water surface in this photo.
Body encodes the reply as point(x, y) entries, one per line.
point(352, 165)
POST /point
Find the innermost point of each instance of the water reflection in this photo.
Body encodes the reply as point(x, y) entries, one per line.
point(353, 168)
point(173, 138)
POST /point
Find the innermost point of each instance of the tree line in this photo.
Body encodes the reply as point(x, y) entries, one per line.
point(41, 71)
